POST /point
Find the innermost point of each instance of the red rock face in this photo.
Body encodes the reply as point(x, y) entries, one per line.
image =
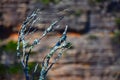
point(92, 57)
point(14, 37)
point(12, 12)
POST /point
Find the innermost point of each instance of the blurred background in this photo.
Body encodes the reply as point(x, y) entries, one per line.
point(94, 32)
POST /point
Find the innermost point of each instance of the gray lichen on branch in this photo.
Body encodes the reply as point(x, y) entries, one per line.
point(23, 55)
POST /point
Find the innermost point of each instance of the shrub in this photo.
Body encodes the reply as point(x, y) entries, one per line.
point(117, 21)
point(23, 55)
point(46, 2)
point(116, 37)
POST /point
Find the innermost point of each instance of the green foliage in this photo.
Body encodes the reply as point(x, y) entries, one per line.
point(117, 21)
point(11, 46)
point(14, 69)
point(31, 66)
point(2, 69)
point(46, 2)
point(116, 37)
point(11, 69)
point(96, 1)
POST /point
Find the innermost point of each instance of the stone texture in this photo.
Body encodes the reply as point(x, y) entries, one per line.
point(92, 57)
